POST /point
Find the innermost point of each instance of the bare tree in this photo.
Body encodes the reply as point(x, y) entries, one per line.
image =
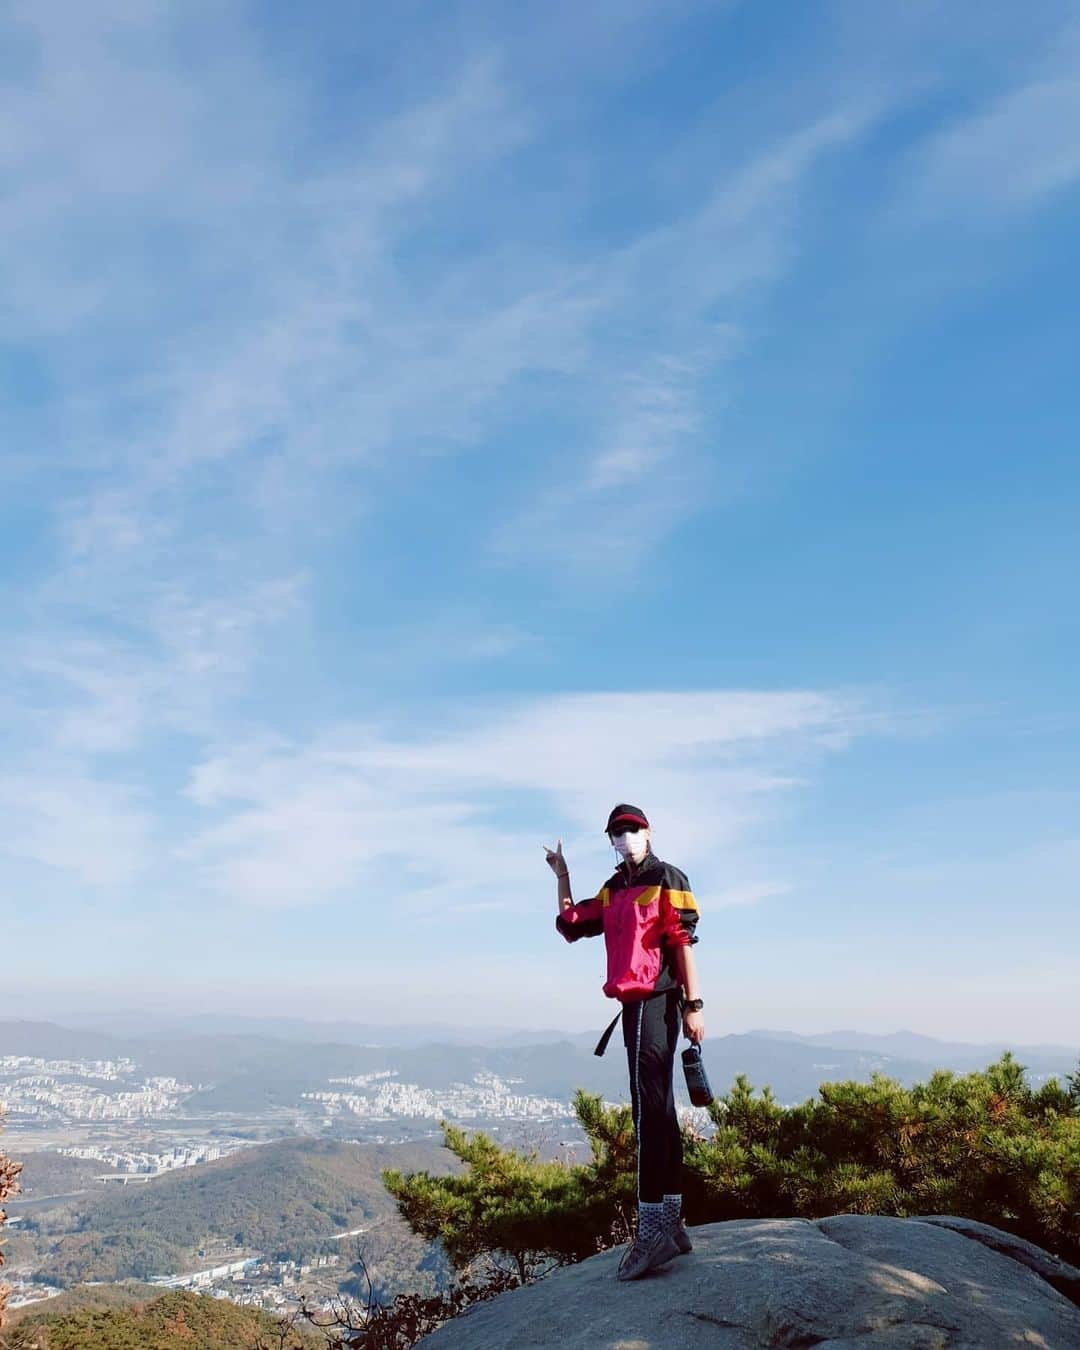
point(8, 1186)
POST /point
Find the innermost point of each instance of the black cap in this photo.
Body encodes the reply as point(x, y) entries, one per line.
point(623, 812)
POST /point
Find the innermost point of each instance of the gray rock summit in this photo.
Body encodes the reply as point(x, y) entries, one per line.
point(848, 1281)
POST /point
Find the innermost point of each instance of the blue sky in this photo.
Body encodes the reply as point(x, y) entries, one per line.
point(424, 426)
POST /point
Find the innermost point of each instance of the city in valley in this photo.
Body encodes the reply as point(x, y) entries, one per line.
point(122, 1126)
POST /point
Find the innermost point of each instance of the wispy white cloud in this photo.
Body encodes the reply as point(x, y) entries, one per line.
point(314, 349)
point(301, 824)
point(688, 285)
point(193, 458)
point(656, 415)
point(87, 712)
point(749, 893)
point(81, 692)
point(453, 637)
point(1013, 153)
point(54, 814)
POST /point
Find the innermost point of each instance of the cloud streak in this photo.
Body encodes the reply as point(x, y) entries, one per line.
point(655, 455)
point(1013, 154)
point(298, 825)
point(99, 834)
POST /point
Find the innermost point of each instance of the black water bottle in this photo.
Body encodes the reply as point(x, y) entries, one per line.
point(697, 1080)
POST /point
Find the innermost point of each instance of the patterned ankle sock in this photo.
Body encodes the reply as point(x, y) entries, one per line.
point(672, 1208)
point(650, 1220)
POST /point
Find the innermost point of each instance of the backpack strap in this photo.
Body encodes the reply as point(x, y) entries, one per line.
point(602, 1043)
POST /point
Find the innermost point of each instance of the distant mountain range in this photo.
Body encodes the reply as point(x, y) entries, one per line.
point(912, 1045)
point(177, 1025)
point(141, 1024)
point(253, 1072)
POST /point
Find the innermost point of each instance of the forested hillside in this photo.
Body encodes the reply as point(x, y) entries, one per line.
point(284, 1199)
point(51, 1173)
point(86, 1296)
point(174, 1321)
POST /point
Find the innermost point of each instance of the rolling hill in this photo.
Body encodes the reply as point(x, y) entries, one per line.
point(283, 1199)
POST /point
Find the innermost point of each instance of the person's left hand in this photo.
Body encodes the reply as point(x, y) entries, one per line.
point(694, 1026)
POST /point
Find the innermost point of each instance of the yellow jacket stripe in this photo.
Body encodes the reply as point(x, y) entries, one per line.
point(650, 894)
point(683, 900)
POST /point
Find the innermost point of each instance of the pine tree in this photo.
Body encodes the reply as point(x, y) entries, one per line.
point(982, 1145)
point(504, 1203)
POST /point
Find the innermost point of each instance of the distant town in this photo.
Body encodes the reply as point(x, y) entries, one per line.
point(381, 1097)
point(42, 1090)
point(68, 1089)
point(251, 1281)
point(137, 1163)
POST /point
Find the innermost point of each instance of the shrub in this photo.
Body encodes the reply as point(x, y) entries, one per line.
point(982, 1145)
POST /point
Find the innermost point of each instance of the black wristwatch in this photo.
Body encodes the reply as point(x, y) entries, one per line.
point(693, 1004)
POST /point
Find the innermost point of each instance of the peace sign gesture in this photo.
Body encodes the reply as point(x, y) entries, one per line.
point(555, 859)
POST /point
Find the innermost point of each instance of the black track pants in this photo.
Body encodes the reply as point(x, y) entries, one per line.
point(651, 1033)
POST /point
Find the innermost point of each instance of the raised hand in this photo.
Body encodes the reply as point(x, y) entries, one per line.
point(555, 859)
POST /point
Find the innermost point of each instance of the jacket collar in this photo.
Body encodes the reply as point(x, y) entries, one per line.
point(650, 865)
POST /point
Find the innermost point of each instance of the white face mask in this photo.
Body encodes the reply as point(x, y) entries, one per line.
point(632, 846)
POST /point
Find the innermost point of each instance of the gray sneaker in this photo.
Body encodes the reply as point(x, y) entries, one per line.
point(641, 1257)
point(681, 1238)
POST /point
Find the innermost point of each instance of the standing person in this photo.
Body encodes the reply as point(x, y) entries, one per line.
point(647, 914)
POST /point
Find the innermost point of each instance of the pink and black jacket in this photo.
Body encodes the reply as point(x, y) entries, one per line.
point(642, 921)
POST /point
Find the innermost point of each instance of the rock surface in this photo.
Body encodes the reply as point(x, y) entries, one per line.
point(842, 1283)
